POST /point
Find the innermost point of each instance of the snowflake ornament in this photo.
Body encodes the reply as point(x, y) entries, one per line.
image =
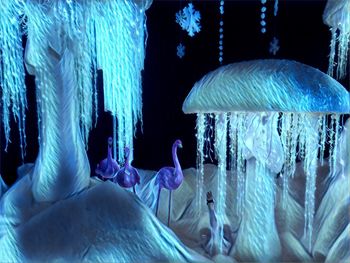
point(180, 50)
point(274, 46)
point(189, 20)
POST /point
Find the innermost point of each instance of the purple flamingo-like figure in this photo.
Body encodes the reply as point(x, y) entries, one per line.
point(128, 176)
point(108, 167)
point(170, 177)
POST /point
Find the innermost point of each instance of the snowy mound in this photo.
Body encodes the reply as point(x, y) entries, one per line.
point(102, 224)
point(267, 85)
point(331, 238)
point(332, 223)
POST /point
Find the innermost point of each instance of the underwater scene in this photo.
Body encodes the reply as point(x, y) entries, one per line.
point(174, 131)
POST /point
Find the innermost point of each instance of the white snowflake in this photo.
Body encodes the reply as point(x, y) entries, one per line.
point(274, 47)
point(189, 20)
point(180, 50)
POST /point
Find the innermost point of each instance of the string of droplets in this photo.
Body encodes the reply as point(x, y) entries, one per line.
point(263, 16)
point(221, 31)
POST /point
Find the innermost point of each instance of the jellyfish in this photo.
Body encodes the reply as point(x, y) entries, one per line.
point(268, 115)
point(337, 16)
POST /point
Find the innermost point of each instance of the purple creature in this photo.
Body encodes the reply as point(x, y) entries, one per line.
point(128, 176)
point(108, 167)
point(170, 177)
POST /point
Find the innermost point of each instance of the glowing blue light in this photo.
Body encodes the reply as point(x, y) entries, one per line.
point(275, 8)
point(180, 50)
point(189, 19)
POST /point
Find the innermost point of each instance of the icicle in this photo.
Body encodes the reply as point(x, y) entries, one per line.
point(200, 161)
point(342, 38)
point(232, 165)
point(311, 136)
point(332, 150)
point(12, 70)
point(114, 137)
point(91, 36)
point(302, 136)
point(337, 16)
point(323, 136)
point(240, 164)
point(120, 48)
point(334, 143)
point(286, 141)
point(332, 51)
point(343, 50)
point(209, 135)
point(220, 148)
point(294, 143)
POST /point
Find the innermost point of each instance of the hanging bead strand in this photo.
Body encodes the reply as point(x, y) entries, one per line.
point(263, 16)
point(221, 32)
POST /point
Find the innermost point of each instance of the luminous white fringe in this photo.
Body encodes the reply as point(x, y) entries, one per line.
point(310, 167)
point(221, 151)
point(337, 16)
point(201, 122)
point(107, 35)
point(13, 100)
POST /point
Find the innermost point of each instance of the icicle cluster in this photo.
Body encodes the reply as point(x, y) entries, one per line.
point(201, 121)
point(304, 137)
point(238, 121)
point(337, 17)
point(341, 38)
point(311, 135)
point(289, 135)
point(107, 35)
point(120, 44)
point(221, 149)
point(13, 100)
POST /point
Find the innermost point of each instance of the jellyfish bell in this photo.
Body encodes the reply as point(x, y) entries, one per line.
point(265, 86)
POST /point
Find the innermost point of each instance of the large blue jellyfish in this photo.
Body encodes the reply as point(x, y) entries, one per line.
point(267, 115)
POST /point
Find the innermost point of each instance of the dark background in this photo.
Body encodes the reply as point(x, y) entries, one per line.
point(167, 79)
